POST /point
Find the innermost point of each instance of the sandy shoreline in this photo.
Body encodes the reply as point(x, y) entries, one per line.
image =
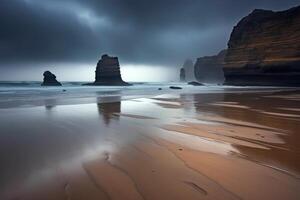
point(175, 146)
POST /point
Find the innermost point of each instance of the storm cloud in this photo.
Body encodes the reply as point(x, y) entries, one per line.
point(140, 32)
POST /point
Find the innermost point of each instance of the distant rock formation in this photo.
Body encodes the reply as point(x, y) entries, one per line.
point(188, 66)
point(182, 75)
point(175, 88)
point(209, 69)
point(108, 72)
point(195, 83)
point(264, 49)
point(50, 79)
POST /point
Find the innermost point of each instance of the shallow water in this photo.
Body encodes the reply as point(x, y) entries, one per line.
point(227, 143)
point(28, 94)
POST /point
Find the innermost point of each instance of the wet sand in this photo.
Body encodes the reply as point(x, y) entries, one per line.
point(170, 146)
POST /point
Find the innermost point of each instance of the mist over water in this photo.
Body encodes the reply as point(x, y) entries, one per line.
point(86, 72)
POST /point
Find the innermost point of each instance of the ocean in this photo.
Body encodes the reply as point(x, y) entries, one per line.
point(31, 93)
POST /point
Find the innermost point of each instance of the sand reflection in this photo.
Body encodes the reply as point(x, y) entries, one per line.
point(109, 110)
point(179, 146)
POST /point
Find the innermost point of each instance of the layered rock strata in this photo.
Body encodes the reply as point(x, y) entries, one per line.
point(264, 49)
point(108, 72)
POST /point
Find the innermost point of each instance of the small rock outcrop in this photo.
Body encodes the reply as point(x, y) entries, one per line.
point(209, 69)
point(108, 72)
point(195, 83)
point(264, 49)
point(182, 75)
point(50, 79)
point(175, 88)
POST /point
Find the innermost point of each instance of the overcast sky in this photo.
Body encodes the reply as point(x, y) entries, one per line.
point(69, 36)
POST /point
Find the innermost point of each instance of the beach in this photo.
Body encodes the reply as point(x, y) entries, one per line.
point(213, 143)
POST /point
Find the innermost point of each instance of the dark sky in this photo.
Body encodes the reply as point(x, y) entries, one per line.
point(70, 35)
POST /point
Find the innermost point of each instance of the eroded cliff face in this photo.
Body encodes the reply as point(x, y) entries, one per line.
point(50, 79)
point(208, 69)
point(188, 66)
point(264, 49)
point(108, 72)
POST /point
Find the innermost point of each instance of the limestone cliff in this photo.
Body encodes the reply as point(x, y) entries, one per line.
point(208, 69)
point(108, 72)
point(264, 49)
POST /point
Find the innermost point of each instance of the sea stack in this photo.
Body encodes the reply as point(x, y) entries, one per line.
point(188, 66)
point(50, 79)
point(264, 49)
point(182, 75)
point(108, 72)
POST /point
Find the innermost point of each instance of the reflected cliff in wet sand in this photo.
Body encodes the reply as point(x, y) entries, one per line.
point(109, 110)
point(271, 119)
point(195, 145)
